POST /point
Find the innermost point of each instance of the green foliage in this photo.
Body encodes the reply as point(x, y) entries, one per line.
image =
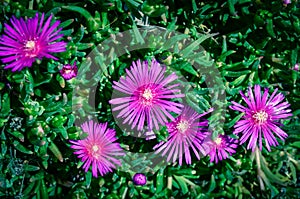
point(250, 42)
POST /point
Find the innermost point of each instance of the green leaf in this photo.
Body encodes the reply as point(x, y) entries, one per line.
point(28, 167)
point(63, 132)
point(160, 180)
point(45, 163)
point(194, 46)
point(294, 55)
point(84, 46)
point(234, 120)
point(4, 105)
point(29, 189)
point(135, 3)
point(43, 190)
point(137, 34)
point(296, 144)
point(67, 32)
point(92, 24)
point(212, 185)
point(231, 4)
point(66, 23)
point(270, 28)
point(235, 73)
point(3, 149)
point(70, 121)
point(197, 102)
point(56, 151)
point(18, 135)
point(293, 170)
point(100, 60)
point(174, 40)
point(61, 80)
point(182, 184)
point(53, 11)
point(226, 54)
point(88, 179)
point(21, 148)
point(194, 5)
point(190, 69)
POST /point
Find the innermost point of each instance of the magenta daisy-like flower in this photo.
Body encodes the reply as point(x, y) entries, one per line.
point(68, 72)
point(187, 131)
point(220, 147)
point(148, 95)
point(24, 41)
point(98, 148)
point(261, 117)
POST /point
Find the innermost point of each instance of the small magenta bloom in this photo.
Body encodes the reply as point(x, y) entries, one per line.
point(186, 131)
point(98, 149)
point(219, 148)
point(148, 95)
point(139, 179)
point(24, 41)
point(68, 72)
point(286, 2)
point(296, 67)
point(261, 117)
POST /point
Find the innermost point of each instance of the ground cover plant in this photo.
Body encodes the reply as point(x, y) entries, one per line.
point(149, 99)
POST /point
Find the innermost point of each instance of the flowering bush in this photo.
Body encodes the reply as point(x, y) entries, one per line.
point(149, 99)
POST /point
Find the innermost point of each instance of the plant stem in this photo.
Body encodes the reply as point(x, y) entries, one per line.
point(169, 183)
point(260, 173)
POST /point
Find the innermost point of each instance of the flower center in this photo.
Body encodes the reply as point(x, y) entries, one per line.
point(95, 151)
point(30, 45)
point(260, 117)
point(31, 49)
point(147, 96)
point(182, 126)
point(68, 71)
point(218, 141)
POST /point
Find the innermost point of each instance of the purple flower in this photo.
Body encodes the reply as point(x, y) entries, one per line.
point(68, 72)
point(296, 67)
point(25, 41)
point(98, 149)
point(286, 2)
point(148, 95)
point(219, 148)
point(139, 179)
point(186, 131)
point(261, 117)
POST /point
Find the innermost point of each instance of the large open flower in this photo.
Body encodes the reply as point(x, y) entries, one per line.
point(98, 149)
point(186, 131)
point(28, 40)
point(148, 95)
point(261, 117)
